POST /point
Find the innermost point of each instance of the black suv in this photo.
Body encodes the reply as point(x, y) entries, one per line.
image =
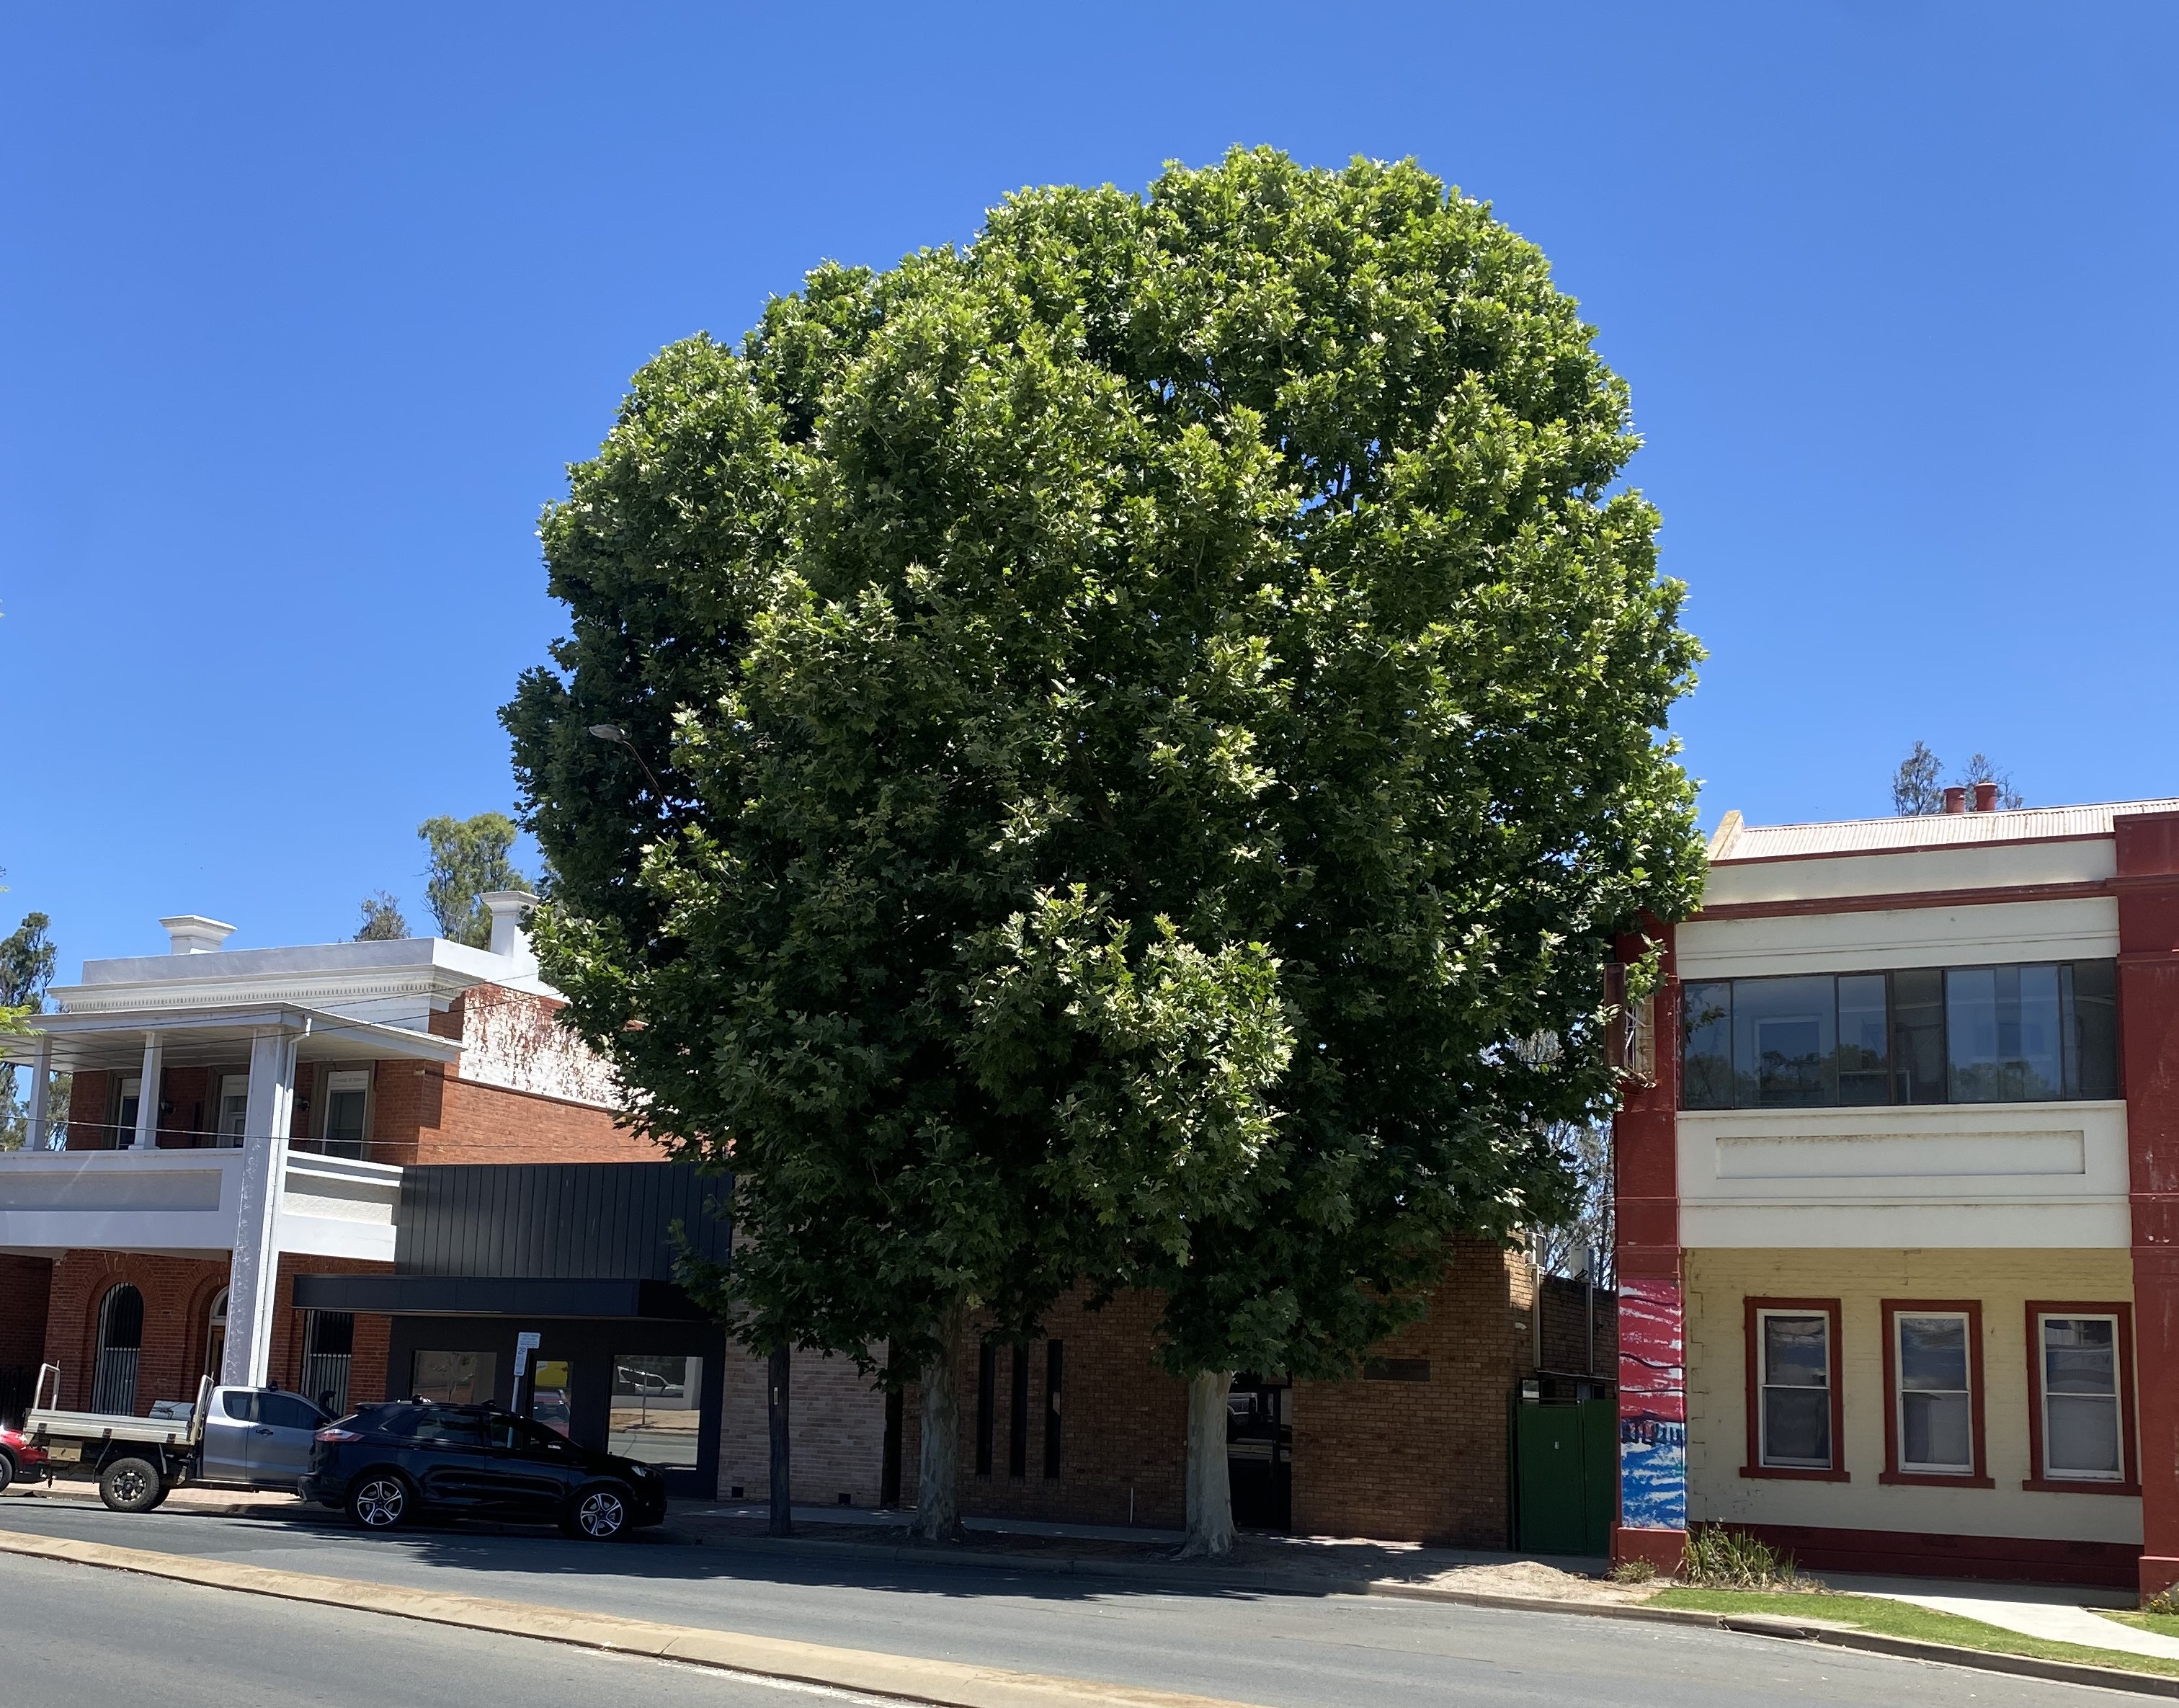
point(388, 1464)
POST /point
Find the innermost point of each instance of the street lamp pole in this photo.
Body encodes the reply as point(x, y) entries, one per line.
point(615, 736)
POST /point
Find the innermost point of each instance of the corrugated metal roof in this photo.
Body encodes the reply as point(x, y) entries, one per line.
point(1934, 829)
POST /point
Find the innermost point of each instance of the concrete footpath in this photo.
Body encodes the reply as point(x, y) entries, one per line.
point(2056, 1615)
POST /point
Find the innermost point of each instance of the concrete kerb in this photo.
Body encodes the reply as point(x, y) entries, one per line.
point(948, 1685)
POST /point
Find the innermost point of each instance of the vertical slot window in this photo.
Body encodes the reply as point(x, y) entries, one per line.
point(1795, 1400)
point(987, 1381)
point(1018, 1416)
point(1055, 1370)
point(1935, 1397)
point(1706, 1046)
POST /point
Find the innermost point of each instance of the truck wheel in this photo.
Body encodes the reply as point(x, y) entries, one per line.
point(598, 1513)
point(131, 1485)
point(380, 1500)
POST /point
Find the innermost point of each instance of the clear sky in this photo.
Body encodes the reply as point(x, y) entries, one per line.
point(304, 309)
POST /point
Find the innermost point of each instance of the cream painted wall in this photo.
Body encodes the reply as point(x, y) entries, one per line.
point(1937, 1174)
point(2083, 929)
point(1718, 1281)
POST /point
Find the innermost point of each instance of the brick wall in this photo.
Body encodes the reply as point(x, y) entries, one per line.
point(177, 1294)
point(25, 1293)
point(837, 1421)
point(373, 1345)
point(178, 1298)
point(1404, 1460)
point(1423, 1460)
point(1565, 1328)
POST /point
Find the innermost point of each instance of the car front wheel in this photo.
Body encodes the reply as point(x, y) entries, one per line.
point(598, 1514)
point(7, 1470)
point(380, 1500)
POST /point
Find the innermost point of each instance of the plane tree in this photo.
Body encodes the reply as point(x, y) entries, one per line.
point(1112, 757)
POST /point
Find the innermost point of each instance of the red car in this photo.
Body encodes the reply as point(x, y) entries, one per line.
point(18, 1457)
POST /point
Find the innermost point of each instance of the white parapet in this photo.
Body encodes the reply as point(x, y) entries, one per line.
point(185, 1203)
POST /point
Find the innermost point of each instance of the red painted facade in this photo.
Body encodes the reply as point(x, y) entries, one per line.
point(1646, 1208)
point(2147, 885)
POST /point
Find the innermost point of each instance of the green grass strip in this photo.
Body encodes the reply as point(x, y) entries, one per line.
point(1918, 1625)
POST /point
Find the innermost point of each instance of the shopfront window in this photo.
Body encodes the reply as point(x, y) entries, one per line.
point(550, 1405)
point(454, 1378)
point(657, 1413)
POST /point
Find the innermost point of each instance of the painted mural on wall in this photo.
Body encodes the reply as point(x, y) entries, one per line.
point(1653, 1405)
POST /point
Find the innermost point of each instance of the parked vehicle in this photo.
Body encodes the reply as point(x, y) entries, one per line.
point(18, 1457)
point(388, 1465)
point(232, 1437)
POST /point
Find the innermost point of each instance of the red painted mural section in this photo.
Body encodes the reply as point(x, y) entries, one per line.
point(1652, 1398)
point(2148, 886)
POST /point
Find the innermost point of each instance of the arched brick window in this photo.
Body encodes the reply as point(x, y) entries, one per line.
point(120, 1339)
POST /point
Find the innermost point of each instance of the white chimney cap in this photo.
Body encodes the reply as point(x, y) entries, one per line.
point(192, 934)
point(507, 908)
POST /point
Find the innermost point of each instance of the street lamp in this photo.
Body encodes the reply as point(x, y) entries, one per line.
point(617, 736)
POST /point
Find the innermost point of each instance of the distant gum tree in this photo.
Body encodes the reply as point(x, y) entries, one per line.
point(469, 856)
point(1115, 741)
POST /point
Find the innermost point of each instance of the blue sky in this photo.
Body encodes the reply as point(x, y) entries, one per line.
point(302, 311)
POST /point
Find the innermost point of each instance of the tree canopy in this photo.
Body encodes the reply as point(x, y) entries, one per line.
point(1149, 724)
point(467, 857)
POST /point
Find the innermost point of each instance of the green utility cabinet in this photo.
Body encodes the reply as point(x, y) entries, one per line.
point(1565, 1481)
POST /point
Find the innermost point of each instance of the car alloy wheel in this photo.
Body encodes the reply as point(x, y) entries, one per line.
point(380, 1503)
point(601, 1514)
point(130, 1485)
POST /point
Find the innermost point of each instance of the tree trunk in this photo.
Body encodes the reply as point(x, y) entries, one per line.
point(783, 1482)
point(1210, 1490)
point(938, 1470)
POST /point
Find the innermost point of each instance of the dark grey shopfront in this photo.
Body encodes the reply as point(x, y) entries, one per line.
point(579, 1256)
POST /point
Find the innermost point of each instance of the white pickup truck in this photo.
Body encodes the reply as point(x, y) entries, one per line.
point(231, 1437)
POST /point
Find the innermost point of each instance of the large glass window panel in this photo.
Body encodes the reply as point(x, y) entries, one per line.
point(1796, 1399)
point(1936, 1407)
point(1917, 1036)
point(454, 1378)
point(2081, 1435)
point(1784, 1037)
point(2092, 1070)
point(1706, 1046)
point(2002, 1026)
point(657, 1407)
point(1865, 1049)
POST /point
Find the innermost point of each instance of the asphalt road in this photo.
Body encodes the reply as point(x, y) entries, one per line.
point(77, 1637)
point(118, 1639)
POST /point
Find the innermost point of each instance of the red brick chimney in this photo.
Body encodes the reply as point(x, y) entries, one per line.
point(1956, 799)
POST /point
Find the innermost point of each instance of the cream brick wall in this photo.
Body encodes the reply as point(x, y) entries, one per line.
point(838, 1422)
point(1719, 1281)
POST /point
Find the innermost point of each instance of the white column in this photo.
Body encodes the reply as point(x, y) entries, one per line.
point(254, 1271)
point(147, 1093)
point(42, 1075)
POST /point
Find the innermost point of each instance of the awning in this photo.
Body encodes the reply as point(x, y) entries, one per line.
point(114, 1040)
point(469, 1295)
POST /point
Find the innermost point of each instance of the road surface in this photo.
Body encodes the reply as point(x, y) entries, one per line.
point(78, 1638)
